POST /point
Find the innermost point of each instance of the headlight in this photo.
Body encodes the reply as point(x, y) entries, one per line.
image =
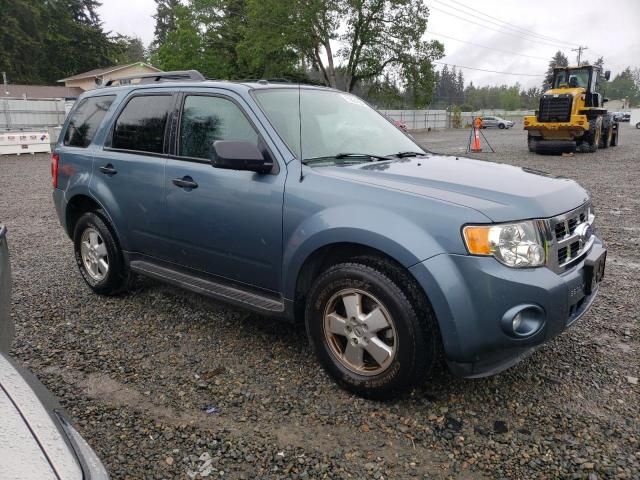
point(514, 244)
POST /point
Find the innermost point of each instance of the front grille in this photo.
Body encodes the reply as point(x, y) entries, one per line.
point(555, 108)
point(569, 245)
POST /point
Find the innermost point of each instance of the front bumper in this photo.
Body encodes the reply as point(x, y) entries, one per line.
point(470, 296)
point(574, 128)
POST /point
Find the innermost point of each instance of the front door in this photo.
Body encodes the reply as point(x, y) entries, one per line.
point(223, 222)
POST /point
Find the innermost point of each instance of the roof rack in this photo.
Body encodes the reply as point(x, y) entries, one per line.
point(159, 77)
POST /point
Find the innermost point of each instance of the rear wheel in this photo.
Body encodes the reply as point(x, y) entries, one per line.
point(607, 138)
point(98, 255)
point(532, 143)
point(616, 135)
point(366, 332)
point(638, 125)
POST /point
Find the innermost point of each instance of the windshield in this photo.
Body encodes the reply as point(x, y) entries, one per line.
point(333, 123)
point(573, 78)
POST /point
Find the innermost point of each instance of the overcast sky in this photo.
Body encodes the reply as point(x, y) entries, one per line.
point(611, 32)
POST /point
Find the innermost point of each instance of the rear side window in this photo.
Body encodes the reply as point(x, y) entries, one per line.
point(207, 119)
point(85, 120)
point(141, 125)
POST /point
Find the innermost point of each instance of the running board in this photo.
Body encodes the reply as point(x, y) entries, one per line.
point(210, 288)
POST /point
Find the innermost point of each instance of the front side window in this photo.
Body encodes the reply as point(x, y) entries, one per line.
point(141, 125)
point(85, 120)
point(333, 123)
point(206, 119)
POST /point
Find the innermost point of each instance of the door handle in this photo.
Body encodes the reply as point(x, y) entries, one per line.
point(108, 169)
point(185, 182)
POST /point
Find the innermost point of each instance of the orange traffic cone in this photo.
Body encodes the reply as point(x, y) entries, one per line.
point(477, 125)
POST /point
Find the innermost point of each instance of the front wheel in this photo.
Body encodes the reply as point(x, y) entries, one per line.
point(638, 125)
point(502, 126)
point(591, 140)
point(366, 332)
point(98, 255)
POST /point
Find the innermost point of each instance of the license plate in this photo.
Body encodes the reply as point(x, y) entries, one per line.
point(594, 269)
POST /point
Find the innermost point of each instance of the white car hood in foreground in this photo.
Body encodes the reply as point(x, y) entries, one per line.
point(31, 445)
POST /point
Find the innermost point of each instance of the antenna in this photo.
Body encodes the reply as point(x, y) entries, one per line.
point(300, 126)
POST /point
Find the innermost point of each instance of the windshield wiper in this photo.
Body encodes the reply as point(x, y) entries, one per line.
point(409, 154)
point(361, 155)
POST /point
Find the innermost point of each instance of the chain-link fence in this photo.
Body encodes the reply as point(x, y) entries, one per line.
point(33, 114)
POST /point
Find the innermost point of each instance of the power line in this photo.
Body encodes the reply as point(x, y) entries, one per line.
point(487, 47)
point(511, 26)
point(489, 71)
point(496, 30)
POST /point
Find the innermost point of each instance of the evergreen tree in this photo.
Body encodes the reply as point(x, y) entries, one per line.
point(558, 60)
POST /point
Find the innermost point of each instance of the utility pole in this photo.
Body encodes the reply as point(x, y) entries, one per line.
point(580, 49)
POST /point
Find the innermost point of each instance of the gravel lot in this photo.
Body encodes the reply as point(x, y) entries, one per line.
point(138, 372)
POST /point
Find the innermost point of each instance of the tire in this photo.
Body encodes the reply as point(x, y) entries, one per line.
point(638, 125)
point(592, 137)
point(607, 138)
point(98, 255)
point(502, 126)
point(343, 328)
point(532, 143)
point(616, 137)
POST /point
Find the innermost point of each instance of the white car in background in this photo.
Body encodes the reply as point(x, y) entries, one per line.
point(496, 122)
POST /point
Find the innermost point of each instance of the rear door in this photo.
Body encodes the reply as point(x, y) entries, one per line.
point(230, 224)
point(128, 173)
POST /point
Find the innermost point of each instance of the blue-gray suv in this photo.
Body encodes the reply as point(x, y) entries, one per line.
point(304, 203)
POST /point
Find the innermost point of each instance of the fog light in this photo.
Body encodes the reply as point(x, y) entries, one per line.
point(523, 321)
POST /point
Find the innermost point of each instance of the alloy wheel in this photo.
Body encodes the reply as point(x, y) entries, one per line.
point(360, 332)
point(94, 255)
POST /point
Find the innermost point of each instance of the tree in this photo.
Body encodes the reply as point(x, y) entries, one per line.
point(131, 49)
point(558, 60)
point(166, 20)
point(624, 86)
point(20, 32)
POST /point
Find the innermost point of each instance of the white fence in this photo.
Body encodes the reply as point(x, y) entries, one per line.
point(439, 119)
point(34, 115)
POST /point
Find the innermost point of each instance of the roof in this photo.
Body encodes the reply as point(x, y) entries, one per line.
point(38, 91)
point(99, 72)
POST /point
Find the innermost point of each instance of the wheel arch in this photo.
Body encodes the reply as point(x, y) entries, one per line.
point(330, 254)
point(82, 203)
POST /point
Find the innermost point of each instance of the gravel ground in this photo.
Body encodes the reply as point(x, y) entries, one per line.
point(167, 384)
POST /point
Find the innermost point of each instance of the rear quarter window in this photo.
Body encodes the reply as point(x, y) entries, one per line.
point(85, 120)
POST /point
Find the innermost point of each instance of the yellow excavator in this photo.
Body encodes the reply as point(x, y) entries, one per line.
point(571, 115)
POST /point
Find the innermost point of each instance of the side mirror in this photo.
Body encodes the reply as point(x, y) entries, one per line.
point(605, 100)
point(234, 155)
point(607, 75)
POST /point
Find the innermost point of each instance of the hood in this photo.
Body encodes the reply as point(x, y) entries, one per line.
point(31, 444)
point(20, 454)
point(501, 192)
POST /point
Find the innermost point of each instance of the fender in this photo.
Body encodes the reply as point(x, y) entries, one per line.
point(108, 207)
point(404, 241)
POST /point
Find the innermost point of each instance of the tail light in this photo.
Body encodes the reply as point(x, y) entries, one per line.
point(55, 160)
